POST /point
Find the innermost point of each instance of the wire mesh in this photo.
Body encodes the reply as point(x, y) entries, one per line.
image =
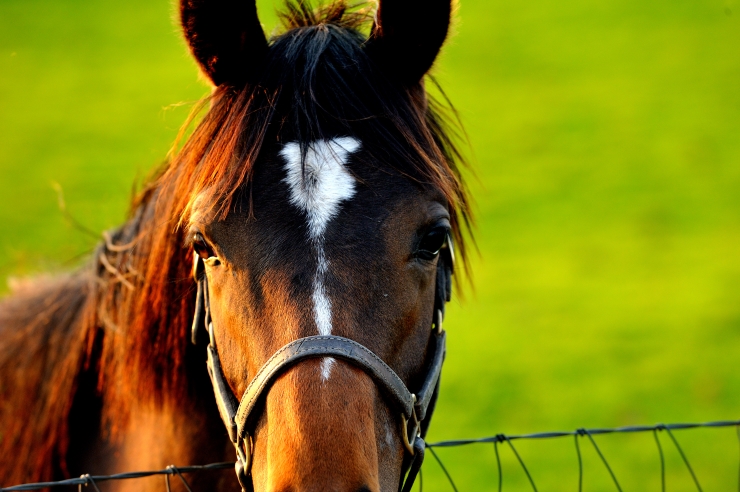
point(578, 434)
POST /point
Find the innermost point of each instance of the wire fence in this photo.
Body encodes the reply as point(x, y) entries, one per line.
point(499, 439)
point(588, 434)
point(93, 480)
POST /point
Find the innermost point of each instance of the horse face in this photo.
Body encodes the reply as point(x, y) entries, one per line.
point(334, 248)
point(334, 233)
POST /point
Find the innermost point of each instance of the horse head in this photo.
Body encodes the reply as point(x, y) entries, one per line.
point(324, 203)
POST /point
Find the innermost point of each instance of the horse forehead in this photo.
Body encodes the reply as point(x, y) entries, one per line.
point(318, 178)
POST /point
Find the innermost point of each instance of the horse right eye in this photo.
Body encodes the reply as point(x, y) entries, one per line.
point(202, 248)
point(432, 243)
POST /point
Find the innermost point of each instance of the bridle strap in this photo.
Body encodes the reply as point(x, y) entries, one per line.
point(412, 406)
point(414, 466)
point(430, 387)
point(225, 400)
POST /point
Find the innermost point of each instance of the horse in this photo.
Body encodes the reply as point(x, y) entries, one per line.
point(277, 290)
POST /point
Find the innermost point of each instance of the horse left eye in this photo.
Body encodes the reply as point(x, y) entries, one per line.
point(432, 243)
point(202, 248)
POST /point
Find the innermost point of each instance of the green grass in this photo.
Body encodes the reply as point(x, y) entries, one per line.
point(606, 142)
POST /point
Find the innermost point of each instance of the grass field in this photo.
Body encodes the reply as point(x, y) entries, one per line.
point(606, 141)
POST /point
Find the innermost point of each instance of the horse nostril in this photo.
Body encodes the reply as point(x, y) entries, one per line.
point(364, 488)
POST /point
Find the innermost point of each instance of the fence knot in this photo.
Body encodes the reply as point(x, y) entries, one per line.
point(581, 432)
point(88, 481)
point(173, 470)
point(661, 427)
point(501, 438)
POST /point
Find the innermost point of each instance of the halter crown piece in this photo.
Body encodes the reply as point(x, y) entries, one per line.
point(415, 409)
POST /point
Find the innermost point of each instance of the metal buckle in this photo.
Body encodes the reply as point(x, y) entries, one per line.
point(408, 443)
point(243, 465)
point(450, 244)
point(438, 317)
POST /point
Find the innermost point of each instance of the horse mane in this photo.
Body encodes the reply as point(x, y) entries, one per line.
point(130, 313)
point(42, 351)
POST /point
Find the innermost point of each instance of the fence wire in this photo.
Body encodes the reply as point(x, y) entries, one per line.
point(92, 480)
point(589, 434)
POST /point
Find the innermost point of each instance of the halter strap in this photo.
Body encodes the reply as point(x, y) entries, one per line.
point(323, 346)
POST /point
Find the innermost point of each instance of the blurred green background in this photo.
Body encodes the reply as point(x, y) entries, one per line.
point(606, 141)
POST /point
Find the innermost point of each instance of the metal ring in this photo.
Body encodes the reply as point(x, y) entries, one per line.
point(244, 453)
point(408, 443)
point(243, 465)
point(198, 267)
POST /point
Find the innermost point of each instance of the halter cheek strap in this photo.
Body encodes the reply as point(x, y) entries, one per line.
point(415, 409)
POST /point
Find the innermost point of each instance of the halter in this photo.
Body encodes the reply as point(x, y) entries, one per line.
point(415, 409)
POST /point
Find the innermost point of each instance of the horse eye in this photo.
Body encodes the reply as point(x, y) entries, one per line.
point(201, 247)
point(432, 243)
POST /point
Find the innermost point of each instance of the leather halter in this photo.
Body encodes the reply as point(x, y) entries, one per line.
point(415, 409)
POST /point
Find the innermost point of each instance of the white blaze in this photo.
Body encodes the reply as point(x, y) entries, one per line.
point(317, 186)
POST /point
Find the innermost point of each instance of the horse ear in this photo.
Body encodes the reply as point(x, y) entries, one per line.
point(407, 36)
point(226, 38)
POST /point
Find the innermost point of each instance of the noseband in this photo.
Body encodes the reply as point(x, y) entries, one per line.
point(415, 409)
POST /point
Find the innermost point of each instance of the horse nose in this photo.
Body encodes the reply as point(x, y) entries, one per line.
point(322, 489)
point(317, 432)
point(364, 488)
